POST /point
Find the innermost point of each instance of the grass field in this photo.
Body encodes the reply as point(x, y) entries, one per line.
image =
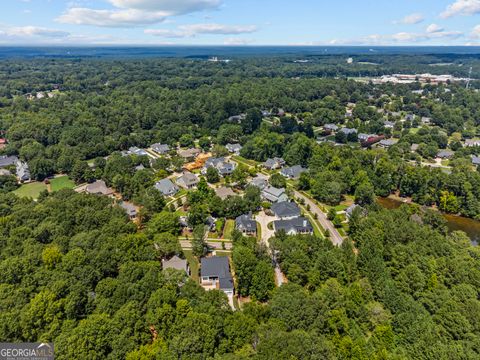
point(227, 230)
point(193, 263)
point(31, 190)
point(62, 182)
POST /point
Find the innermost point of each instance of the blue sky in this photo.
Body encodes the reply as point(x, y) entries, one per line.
point(237, 22)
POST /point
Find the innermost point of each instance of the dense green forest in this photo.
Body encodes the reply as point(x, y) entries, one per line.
point(77, 272)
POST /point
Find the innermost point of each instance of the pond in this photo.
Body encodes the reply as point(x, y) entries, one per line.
point(469, 226)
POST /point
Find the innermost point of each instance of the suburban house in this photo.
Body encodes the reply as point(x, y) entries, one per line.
point(130, 209)
point(286, 210)
point(215, 274)
point(295, 226)
point(386, 143)
point(348, 131)
point(293, 172)
point(388, 124)
point(426, 120)
point(330, 127)
point(8, 161)
point(99, 188)
point(409, 117)
point(259, 182)
point(166, 187)
point(23, 171)
point(246, 225)
point(135, 151)
point(224, 192)
point(475, 160)
point(223, 167)
point(189, 154)
point(234, 148)
point(161, 149)
point(472, 142)
point(445, 154)
point(176, 263)
point(274, 194)
point(365, 137)
point(237, 118)
point(350, 209)
point(187, 180)
point(275, 163)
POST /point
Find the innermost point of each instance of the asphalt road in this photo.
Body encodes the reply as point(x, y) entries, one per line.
point(335, 236)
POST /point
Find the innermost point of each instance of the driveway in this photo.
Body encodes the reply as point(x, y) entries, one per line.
point(264, 219)
point(335, 236)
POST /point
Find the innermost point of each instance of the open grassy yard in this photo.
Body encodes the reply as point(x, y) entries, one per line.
point(193, 263)
point(31, 190)
point(227, 230)
point(62, 182)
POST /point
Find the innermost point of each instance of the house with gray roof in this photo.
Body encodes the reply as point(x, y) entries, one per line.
point(189, 154)
point(274, 194)
point(295, 226)
point(386, 143)
point(409, 117)
point(176, 263)
point(234, 148)
point(330, 127)
point(166, 187)
point(275, 163)
point(224, 192)
point(388, 124)
point(215, 274)
point(246, 224)
point(135, 151)
point(187, 180)
point(365, 137)
point(99, 188)
point(472, 142)
point(223, 166)
point(160, 149)
point(445, 154)
point(348, 131)
point(130, 209)
point(286, 210)
point(293, 172)
point(23, 171)
point(7, 161)
point(259, 182)
point(475, 160)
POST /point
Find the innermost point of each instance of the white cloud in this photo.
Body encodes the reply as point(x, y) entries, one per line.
point(475, 32)
point(110, 18)
point(30, 31)
point(434, 28)
point(195, 29)
point(462, 7)
point(173, 7)
point(131, 13)
point(239, 42)
point(411, 19)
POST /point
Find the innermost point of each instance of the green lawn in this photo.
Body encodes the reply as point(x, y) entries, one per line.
point(31, 190)
point(193, 263)
point(259, 232)
point(223, 253)
point(227, 230)
point(62, 182)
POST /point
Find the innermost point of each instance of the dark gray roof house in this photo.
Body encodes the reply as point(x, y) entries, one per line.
point(234, 148)
point(387, 142)
point(259, 182)
point(274, 194)
point(135, 151)
point(298, 225)
point(275, 163)
point(221, 164)
point(176, 263)
point(293, 172)
point(475, 160)
point(166, 187)
point(348, 131)
point(187, 180)
point(330, 127)
point(285, 210)
point(445, 154)
point(7, 161)
point(246, 224)
point(215, 270)
point(160, 148)
point(130, 209)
